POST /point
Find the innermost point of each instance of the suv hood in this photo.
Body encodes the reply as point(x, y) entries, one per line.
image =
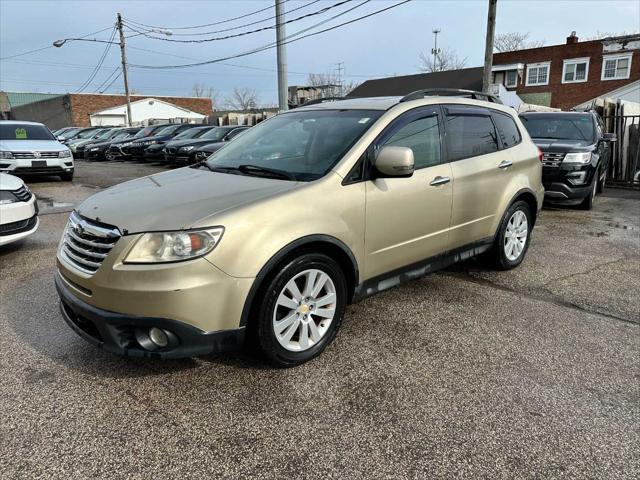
point(9, 182)
point(32, 145)
point(177, 199)
point(562, 145)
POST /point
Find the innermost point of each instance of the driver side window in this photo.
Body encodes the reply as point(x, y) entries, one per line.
point(423, 137)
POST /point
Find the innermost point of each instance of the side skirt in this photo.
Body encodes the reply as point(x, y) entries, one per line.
point(420, 269)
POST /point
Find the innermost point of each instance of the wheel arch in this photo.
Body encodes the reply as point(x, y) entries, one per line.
point(326, 244)
point(527, 195)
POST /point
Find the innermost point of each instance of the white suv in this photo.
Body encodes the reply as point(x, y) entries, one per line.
point(18, 210)
point(30, 148)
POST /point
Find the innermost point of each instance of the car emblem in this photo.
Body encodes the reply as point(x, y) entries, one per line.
point(37, 154)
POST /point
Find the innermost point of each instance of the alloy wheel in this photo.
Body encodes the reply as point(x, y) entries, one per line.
point(304, 310)
point(515, 237)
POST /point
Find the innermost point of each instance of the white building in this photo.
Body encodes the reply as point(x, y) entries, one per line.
point(142, 111)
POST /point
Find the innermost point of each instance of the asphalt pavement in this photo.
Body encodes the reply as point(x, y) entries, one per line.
point(467, 373)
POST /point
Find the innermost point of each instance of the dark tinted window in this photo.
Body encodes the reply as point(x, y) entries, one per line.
point(21, 131)
point(235, 133)
point(423, 137)
point(469, 133)
point(566, 126)
point(507, 129)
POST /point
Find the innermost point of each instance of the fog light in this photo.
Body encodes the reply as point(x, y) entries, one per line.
point(158, 337)
point(577, 178)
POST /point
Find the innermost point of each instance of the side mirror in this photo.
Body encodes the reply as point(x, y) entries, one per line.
point(610, 137)
point(395, 162)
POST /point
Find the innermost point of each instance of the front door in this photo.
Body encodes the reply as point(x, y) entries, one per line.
point(407, 219)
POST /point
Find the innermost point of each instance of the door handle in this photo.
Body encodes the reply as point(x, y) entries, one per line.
point(505, 164)
point(439, 181)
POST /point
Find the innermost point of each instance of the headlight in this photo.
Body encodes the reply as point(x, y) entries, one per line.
point(145, 143)
point(7, 197)
point(6, 155)
point(187, 149)
point(64, 154)
point(95, 149)
point(583, 158)
point(174, 246)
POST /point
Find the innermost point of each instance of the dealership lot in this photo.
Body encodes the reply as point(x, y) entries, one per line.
point(532, 372)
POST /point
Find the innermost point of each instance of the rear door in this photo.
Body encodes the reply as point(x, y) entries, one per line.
point(480, 172)
point(407, 219)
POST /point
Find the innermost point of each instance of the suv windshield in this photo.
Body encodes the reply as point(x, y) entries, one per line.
point(303, 145)
point(560, 126)
point(22, 131)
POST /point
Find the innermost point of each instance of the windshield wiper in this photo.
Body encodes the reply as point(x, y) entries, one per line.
point(249, 169)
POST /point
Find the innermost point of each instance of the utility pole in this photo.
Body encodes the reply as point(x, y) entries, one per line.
point(340, 69)
point(281, 54)
point(124, 69)
point(488, 48)
point(435, 50)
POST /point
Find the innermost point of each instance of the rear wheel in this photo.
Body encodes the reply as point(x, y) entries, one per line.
point(301, 310)
point(513, 237)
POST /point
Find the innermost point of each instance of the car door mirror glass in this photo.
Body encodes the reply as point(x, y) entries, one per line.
point(393, 161)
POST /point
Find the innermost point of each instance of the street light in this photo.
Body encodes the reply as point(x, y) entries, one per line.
point(59, 43)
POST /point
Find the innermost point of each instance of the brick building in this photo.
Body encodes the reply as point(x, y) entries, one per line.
point(77, 108)
point(564, 76)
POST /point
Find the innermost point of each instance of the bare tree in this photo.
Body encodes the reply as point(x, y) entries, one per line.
point(601, 35)
point(340, 87)
point(243, 99)
point(509, 42)
point(200, 90)
point(447, 60)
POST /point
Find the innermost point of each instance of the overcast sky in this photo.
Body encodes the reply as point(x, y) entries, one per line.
point(385, 44)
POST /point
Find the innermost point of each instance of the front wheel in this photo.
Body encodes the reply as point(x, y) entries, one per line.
point(587, 203)
point(302, 309)
point(67, 177)
point(514, 235)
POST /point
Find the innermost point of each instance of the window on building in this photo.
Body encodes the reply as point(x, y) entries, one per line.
point(470, 133)
point(507, 129)
point(575, 70)
point(616, 67)
point(538, 74)
point(423, 137)
point(511, 79)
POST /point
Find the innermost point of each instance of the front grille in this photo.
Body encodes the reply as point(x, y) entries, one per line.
point(31, 155)
point(38, 170)
point(86, 244)
point(18, 227)
point(550, 159)
point(22, 194)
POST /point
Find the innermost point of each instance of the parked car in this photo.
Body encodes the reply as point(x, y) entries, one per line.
point(81, 133)
point(30, 148)
point(203, 152)
point(136, 148)
point(155, 152)
point(97, 151)
point(62, 130)
point(275, 234)
point(88, 137)
point(66, 132)
point(184, 152)
point(115, 152)
point(18, 210)
point(103, 136)
point(575, 154)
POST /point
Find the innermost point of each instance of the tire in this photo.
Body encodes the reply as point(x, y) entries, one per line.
point(601, 182)
point(294, 322)
point(67, 177)
point(587, 203)
point(508, 227)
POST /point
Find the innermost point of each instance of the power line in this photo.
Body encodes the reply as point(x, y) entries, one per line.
point(236, 27)
point(99, 64)
point(111, 82)
point(115, 70)
point(242, 34)
point(51, 46)
point(270, 46)
point(208, 24)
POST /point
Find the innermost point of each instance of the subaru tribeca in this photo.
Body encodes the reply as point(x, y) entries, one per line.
point(271, 237)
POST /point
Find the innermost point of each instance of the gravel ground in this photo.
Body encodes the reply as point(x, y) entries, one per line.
point(468, 373)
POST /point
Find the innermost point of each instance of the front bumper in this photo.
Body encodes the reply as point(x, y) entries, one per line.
point(35, 166)
point(120, 334)
point(18, 220)
point(568, 183)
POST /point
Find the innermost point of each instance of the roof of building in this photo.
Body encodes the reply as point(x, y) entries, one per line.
point(466, 78)
point(17, 99)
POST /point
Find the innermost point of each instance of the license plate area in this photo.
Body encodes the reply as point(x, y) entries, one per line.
point(38, 163)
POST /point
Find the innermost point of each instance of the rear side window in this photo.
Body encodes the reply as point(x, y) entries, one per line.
point(423, 137)
point(507, 129)
point(470, 133)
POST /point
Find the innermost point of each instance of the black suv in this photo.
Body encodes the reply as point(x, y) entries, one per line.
point(183, 152)
point(575, 154)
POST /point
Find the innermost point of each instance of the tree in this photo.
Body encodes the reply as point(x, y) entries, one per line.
point(342, 87)
point(509, 42)
point(243, 99)
point(602, 35)
point(447, 60)
point(200, 90)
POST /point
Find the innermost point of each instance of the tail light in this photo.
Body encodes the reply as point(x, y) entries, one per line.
point(540, 155)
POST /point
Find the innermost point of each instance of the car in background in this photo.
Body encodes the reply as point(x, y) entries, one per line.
point(116, 152)
point(30, 148)
point(66, 132)
point(18, 210)
point(97, 151)
point(200, 154)
point(184, 152)
point(81, 133)
point(103, 136)
point(155, 152)
point(88, 137)
point(62, 130)
point(135, 150)
point(575, 154)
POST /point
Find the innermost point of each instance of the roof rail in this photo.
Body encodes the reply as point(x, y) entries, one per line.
point(451, 92)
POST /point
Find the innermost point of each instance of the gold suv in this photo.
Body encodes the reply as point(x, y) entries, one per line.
point(272, 236)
